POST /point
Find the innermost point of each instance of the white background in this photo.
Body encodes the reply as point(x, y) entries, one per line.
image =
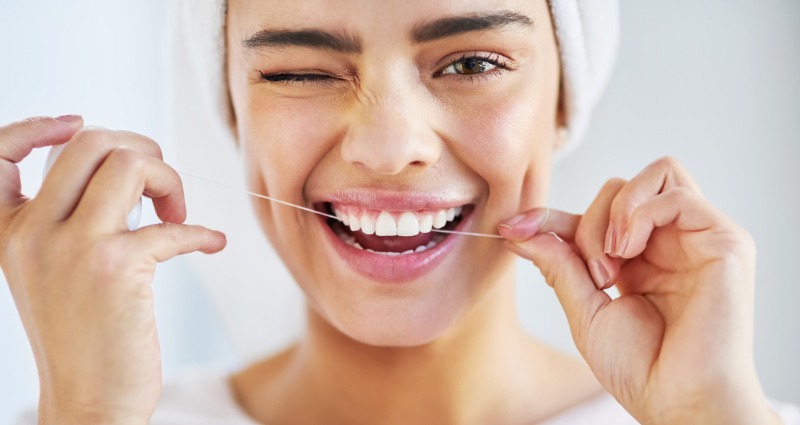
point(714, 83)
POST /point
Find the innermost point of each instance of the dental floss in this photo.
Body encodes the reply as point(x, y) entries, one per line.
point(258, 195)
point(135, 215)
point(456, 232)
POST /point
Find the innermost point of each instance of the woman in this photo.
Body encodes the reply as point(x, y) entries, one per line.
point(391, 116)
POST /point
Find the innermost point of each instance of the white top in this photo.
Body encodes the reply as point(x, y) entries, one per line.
point(206, 399)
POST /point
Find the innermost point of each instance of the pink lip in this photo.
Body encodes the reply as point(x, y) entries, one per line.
point(399, 269)
point(396, 201)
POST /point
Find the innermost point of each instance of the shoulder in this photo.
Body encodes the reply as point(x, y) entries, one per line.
point(199, 398)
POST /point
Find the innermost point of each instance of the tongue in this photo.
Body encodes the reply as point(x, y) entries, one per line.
point(392, 243)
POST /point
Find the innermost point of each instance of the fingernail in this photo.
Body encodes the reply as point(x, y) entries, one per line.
point(513, 221)
point(609, 245)
point(69, 118)
point(623, 245)
point(599, 273)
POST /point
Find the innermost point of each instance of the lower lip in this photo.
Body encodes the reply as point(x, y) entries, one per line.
point(397, 269)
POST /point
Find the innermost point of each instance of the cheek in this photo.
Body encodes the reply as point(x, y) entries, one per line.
point(284, 140)
point(508, 142)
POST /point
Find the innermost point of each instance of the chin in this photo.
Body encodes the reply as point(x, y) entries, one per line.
point(397, 326)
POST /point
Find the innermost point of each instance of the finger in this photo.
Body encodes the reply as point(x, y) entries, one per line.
point(18, 139)
point(662, 175)
point(564, 270)
point(120, 181)
point(167, 240)
point(591, 235)
point(679, 206)
point(539, 221)
point(83, 155)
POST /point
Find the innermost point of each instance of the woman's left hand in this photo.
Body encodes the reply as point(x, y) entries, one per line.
point(677, 345)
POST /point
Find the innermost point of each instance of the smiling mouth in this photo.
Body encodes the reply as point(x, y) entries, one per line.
point(392, 233)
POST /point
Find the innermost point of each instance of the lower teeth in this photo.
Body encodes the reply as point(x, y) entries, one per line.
point(350, 240)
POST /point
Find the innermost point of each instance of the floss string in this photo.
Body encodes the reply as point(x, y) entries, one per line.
point(300, 207)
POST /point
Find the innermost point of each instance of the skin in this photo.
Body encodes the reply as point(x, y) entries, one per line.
point(676, 347)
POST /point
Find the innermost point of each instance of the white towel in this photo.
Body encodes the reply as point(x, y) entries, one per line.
point(587, 33)
point(199, 126)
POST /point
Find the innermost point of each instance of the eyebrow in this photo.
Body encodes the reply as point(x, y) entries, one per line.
point(345, 43)
point(455, 25)
point(313, 38)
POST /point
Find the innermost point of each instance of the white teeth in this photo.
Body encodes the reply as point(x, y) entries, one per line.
point(367, 226)
point(440, 220)
point(350, 240)
point(426, 223)
point(408, 225)
point(353, 222)
point(341, 217)
point(385, 225)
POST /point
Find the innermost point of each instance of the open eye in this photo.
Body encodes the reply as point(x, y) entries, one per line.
point(473, 65)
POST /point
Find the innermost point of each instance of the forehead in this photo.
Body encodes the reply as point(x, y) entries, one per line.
point(370, 20)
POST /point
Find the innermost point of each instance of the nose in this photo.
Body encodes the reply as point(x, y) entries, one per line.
point(390, 133)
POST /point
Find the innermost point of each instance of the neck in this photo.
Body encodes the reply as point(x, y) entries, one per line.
point(486, 369)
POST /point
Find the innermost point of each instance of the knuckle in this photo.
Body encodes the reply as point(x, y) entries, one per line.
point(91, 137)
point(172, 232)
point(127, 159)
point(741, 244)
point(668, 162)
point(614, 183)
point(145, 144)
point(681, 194)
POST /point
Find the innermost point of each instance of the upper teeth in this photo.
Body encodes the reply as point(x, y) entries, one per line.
point(384, 223)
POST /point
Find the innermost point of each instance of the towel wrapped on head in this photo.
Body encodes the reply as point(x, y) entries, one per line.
point(587, 32)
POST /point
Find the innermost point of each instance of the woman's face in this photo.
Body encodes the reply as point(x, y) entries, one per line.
point(400, 116)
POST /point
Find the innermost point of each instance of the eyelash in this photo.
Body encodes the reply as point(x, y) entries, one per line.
point(493, 59)
point(290, 78)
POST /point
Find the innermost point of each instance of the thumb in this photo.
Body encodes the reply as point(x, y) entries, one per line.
point(563, 268)
point(167, 240)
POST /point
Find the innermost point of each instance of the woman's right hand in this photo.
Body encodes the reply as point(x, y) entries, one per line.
point(80, 279)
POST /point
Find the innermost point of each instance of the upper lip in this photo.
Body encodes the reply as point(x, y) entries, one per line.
point(387, 200)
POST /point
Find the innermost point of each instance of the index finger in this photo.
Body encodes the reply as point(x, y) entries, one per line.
point(18, 139)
